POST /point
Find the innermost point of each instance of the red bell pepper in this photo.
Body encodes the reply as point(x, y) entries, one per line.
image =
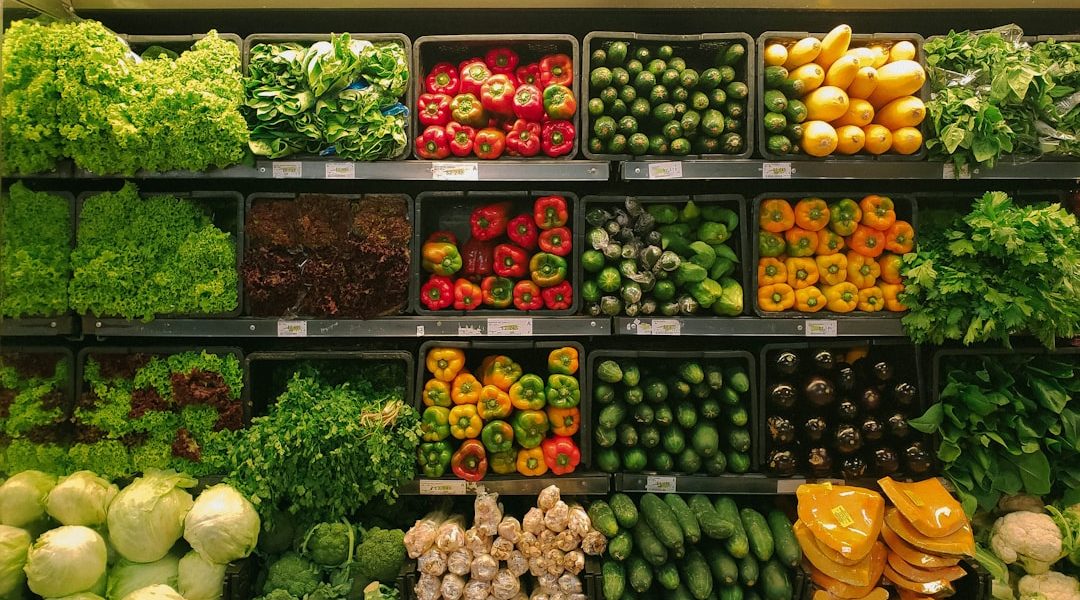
point(433, 143)
point(501, 60)
point(522, 231)
point(559, 102)
point(556, 69)
point(437, 293)
point(527, 296)
point(473, 76)
point(442, 79)
point(529, 102)
point(489, 144)
point(488, 221)
point(467, 110)
point(433, 109)
point(470, 461)
point(557, 138)
point(557, 241)
point(523, 138)
point(476, 259)
point(511, 261)
point(528, 74)
point(461, 139)
point(550, 212)
point(468, 61)
point(443, 236)
point(498, 291)
point(561, 454)
point(558, 297)
point(467, 295)
point(497, 95)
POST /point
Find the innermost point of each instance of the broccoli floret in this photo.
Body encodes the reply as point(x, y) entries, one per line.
point(279, 536)
point(381, 554)
point(329, 544)
point(292, 573)
point(278, 595)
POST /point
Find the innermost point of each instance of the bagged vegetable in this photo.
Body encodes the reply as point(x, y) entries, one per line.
point(147, 517)
point(66, 560)
point(22, 498)
point(501, 549)
point(421, 535)
point(517, 563)
point(548, 497)
point(222, 525)
point(459, 562)
point(453, 587)
point(451, 534)
point(14, 544)
point(126, 577)
point(198, 578)
point(534, 521)
point(428, 587)
point(477, 590)
point(510, 528)
point(505, 585)
point(484, 567)
point(579, 521)
point(486, 513)
point(432, 562)
point(574, 561)
point(570, 584)
point(477, 542)
point(566, 541)
point(154, 592)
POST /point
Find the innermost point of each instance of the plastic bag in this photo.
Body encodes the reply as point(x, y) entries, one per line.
point(453, 587)
point(459, 562)
point(579, 522)
point(501, 549)
point(574, 561)
point(557, 518)
point(530, 545)
point(548, 581)
point(484, 567)
point(554, 558)
point(421, 535)
point(548, 497)
point(533, 521)
point(510, 528)
point(594, 543)
point(432, 562)
point(570, 584)
point(537, 566)
point(517, 563)
point(477, 590)
point(451, 534)
point(567, 541)
point(477, 542)
point(486, 513)
point(428, 587)
point(505, 585)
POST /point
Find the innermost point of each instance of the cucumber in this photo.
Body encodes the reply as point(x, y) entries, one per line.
point(673, 440)
point(681, 593)
point(738, 462)
point(748, 571)
point(607, 460)
point(737, 378)
point(626, 512)
point(775, 583)
point(689, 462)
point(662, 521)
point(696, 574)
point(788, 551)
point(737, 545)
point(613, 580)
point(710, 522)
point(639, 574)
point(724, 569)
point(611, 415)
point(621, 546)
point(647, 545)
point(731, 592)
point(705, 439)
point(729, 396)
point(774, 76)
point(687, 521)
point(667, 575)
point(739, 439)
point(603, 518)
point(751, 595)
point(738, 416)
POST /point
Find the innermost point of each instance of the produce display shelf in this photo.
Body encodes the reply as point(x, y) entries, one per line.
point(749, 483)
point(426, 170)
point(750, 326)
point(834, 169)
point(54, 326)
point(577, 484)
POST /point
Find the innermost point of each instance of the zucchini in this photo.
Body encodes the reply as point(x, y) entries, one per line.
point(612, 580)
point(621, 546)
point(639, 574)
point(775, 583)
point(724, 569)
point(731, 592)
point(711, 524)
point(609, 371)
point(603, 519)
point(662, 521)
point(737, 378)
point(687, 521)
point(647, 545)
point(737, 545)
point(611, 415)
point(748, 571)
point(696, 574)
point(788, 551)
point(626, 512)
point(667, 575)
point(757, 532)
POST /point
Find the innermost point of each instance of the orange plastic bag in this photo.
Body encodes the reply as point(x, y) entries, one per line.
point(862, 574)
point(876, 593)
point(837, 588)
point(913, 573)
point(958, 543)
point(931, 588)
point(846, 519)
point(913, 555)
point(926, 504)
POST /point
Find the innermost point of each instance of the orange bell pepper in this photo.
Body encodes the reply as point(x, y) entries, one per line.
point(878, 212)
point(445, 363)
point(493, 404)
point(770, 271)
point(863, 271)
point(829, 243)
point(564, 421)
point(809, 299)
point(871, 299)
point(530, 462)
point(842, 297)
point(466, 389)
point(563, 360)
point(776, 298)
point(892, 291)
point(501, 372)
point(801, 272)
point(867, 241)
point(800, 242)
point(890, 268)
point(437, 393)
point(776, 215)
point(900, 238)
point(812, 214)
point(832, 269)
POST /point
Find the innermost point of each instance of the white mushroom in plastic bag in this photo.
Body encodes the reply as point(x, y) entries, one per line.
point(529, 545)
point(580, 523)
point(548, 497)
point(487, 513)
point(534, 521)
point(501, 549)
point(517, 563)
point(510, 528)
point(554, 559)
point(570, 584)
point(477, 542)
point(505, 585)
point(421, 535)
point(574, 561)
point(432, 562)
point(594, 543)
point(453, 587)
point(484, 567)
point(477, 590)
point(428, 587)
point(567, 541)
point(557, 518)
point(451, 534)
point(459, 562)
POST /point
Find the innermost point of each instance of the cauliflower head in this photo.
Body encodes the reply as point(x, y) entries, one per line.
point(381, 554)
point(293, 574)
point(1032, 539)
point(1049, 586)
point(329, 544)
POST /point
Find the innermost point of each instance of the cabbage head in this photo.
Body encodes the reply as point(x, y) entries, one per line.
point(154, 592)
point(66, 560)
point(126, 577)
point(222, 525)
point(81, 498)
point(22, 498)
point(14, 544)
point(81, 596)
point(199, 578)
point(147, 517)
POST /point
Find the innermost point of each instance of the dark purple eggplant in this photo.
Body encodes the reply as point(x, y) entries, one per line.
point(819, 392)
point(853, 467)
point(782, 462)
point(886, 462)
point(824, 360)
point(872, 429)
point(782, 395)
point(870, 400)
point(905, 393)
point(814, 429)
point(845, 377)
point(883, 370)
point(847, 411)
point(898, 426)
point(787, 363)
point(847, 440)
point(781, 430)
point(820, 462)
point(917, 459)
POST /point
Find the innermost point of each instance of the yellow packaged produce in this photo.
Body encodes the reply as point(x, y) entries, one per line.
point(926, 504)
point(905, 111)
point(834, 45)
point(804, 51)
point(844, 518)
point(866, 56)
point(827, 103)
point(811, 74)
point(842, 72)
point(878, 139)
point(864, 573)
point(913, 555)
point(929, 588)
point(818, 139)
point(850, 139)
point(913, 573)
point(859, 113)
point(900, 78)
point(838, 589)
point(775, 55)
point(959, 543)
point(903, 50)
point(864, 84)
point(907, 140)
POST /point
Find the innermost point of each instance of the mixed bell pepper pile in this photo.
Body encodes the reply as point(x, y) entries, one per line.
point(499, 418)
point(839, 257)
point(493, 105)
point(507, 262)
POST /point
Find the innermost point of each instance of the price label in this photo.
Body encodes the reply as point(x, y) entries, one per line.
point(419, 331)
point(455, 171)
point(660, 483)
point(949, 171)
point(780, 170)
point(442, 487)
point(466, 330)
point(510, 327)
point(842, 516)
point(292, 328)
point(820, 328)
point(665, 170)
point(287, 170)
point(340, 170)
point(640, 327)
point(788, 486)
point(666, 327)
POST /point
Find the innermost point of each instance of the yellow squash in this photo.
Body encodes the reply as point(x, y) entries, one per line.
point(906, 140)
point(826, 103)
point(905, 111)
point(834, 45)
point(819, 138)
point(775, 55)
point(804, 51)
point(842, 72)
point(850, 139)
point(864, 573)
point(864, 84)
point(878, 139)
point(904, 50)
point(901, 78)
point(866, 56)
point(859, 113)
point(811, 74)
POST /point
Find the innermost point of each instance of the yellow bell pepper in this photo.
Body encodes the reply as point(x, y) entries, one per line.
point(437, 393)
point(466, 389)
point(832, 269)
point(801, 272)
point(465, 423)
point(771, 271)
point(862, 270)
point(871, 299)
point(892, 291)
point(445, 363)
point(502, 372)
point(829, 243)
point(776, 298)
point(891, 265)
point(842, 297)
point(494, 403)
point(563, 360)
point(530, 462)
point(809, 299)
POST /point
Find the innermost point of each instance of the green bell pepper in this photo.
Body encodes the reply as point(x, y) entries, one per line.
point(547, 270)
point(563, 391)
point(530, 427)
point(771, 244)
point(435, 424)
point(503, 463)
point(434, 458)
point(527, 393)
point(498, 436)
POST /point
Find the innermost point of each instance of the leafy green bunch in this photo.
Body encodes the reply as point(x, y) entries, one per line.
point(1063, 109)
point(35, 253)
point(1001, 269)
point(34, 408)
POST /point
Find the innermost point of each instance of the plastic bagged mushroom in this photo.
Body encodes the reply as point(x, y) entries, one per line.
point(539, 593)
point(534, 521)
point(594, 543)
point(580, 523)
point(477, 542)
point(451, 534)
point(453, 587)
point(517, 563)
point(554, 558)
point(505, 585)
point(477, 590)
point(548, 581)
point(557, 518)
point(484, 567)
point(546, 539)
point(570, 584)
point(501, 549)
point(486, 513)
point(432, 562)
point(428, 587)
point(548, 497)
point(459, 562)
point(574, 561)
point(537, 566)
point(421, 535)
point(529, 545)
point(510, 528)
point(567, 541)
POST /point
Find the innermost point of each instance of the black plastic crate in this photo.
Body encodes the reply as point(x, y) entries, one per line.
point(857, 40)
point(175, 43)
point(906, 210)
point(451, 211)
point(739, 241)
point(229, 219)
point(703, 47)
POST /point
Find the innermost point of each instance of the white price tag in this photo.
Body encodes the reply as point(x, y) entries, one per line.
point(788, 486)
point(666, 327)
point(292, 328)
point(660, 483)
point(419, 331)
point(466, 330)
point(949, 171)
point(455, 171)
point(642, 327)
point(442, 487)
point(287, 170)
point(820, 328)
point(779, 170)
point(340, 170)
point(665, 170)
point(510, 327)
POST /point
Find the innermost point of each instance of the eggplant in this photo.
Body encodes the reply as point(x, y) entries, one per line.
point(898, 426)
point(782, 395)
point(634, 207)
point(787, 363)
point(886, 462)
point(853, 467)
point(847, 410)
point(781, 430)
point(814, 429)
point(824, 360)
point(872, 429)
point(782, 462)
point(883, 371)
point(905, 393)
point(917, 459)
point(847, 440)
point(845, 377)
point(820, 462)
point(819, 391)
point(870, 400)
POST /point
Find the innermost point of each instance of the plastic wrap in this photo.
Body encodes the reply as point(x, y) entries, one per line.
point(579, 523)
point(570, 584)
point(557, 518)
point(548, 581)
point(451, 534)
point(574, 561)
point(537, 566)
point(501, 549)
point(554, 558)
point(484, 567)
point(539, 594)
point(505, 585)
point(510, 528)
point(548, 497)
point(477, 542)
point(567, 541)
point(453, 586)
point(459, 562)
point(486, 513)
point(421, 535)
point(533, 521)
point(594, 543)
point(428, 587)
point(477, 590)
point(517, 563)
point(432, 562)
point(530, 545)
